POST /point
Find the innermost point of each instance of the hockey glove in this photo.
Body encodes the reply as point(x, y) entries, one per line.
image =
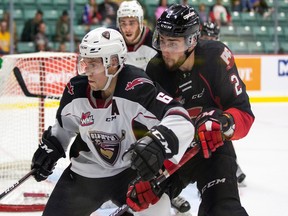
point(46, 156)
point(141, 194)
point(149, 152)
point(213, 126)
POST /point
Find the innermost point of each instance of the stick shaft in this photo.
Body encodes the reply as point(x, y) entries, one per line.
point(168, 171)
point(18, 183)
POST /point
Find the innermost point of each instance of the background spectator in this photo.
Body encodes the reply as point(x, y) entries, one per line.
point(185, 2)
point(30, 27)
point(91, 15)
point(202, 13)
point(261, 7)
point(236, 5)
point(220, 14)
point(108, 10)
point(6, 17)
point(63, 27)
point(4, 38)
point(163, 5)
point(41, 40)
point(62, 47)
point(63, 32)
point(246, 6)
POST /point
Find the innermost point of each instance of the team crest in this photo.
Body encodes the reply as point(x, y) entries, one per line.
point(107, 145)
point(135, 82)
point(106, 34)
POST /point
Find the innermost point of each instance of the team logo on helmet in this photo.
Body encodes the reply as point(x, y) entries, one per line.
point(164, 26)
point(107, 145)
point(106, 34)
point(137, 81)
point(189, 15)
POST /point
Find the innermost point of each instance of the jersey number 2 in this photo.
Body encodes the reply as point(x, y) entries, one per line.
point(237, 86)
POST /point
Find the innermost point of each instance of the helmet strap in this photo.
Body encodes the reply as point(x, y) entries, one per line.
point(110, 77)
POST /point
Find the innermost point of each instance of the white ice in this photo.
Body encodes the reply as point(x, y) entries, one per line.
point(263, 156)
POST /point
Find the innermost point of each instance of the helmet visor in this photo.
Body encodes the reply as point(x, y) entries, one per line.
point(171, 44)
point(89, 66)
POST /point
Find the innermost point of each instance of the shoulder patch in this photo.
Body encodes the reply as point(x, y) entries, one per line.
point(70, 88)
point(137, 81)
point(228, 58)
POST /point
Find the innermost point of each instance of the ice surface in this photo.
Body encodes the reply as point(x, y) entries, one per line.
point(263, 156)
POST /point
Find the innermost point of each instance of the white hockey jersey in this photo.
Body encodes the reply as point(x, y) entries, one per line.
point(106, 129)
point(140, 57)
point(140, 54)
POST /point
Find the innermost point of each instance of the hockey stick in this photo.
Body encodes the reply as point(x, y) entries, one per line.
point(167, 172)
point(25, 90)
point(18, 183)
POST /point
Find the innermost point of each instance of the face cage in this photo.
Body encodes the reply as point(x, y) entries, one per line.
point(190, 41)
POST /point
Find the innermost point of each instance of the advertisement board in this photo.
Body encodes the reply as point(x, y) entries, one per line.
point(265, 76)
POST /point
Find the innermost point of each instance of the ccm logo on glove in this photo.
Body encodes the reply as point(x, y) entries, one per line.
point(163, 141)
point(213, 126)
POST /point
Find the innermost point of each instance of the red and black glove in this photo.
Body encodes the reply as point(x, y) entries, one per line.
point(213, 126)
point(141, 194)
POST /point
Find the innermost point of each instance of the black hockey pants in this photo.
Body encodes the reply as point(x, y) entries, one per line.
point(216, 181)
point(75, 195)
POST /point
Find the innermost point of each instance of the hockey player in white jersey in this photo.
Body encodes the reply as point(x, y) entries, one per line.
point(137, 36)
point(99, 107)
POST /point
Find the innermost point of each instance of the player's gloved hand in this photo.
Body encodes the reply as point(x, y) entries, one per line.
point(46, 156)
point(213, 126)
point(149, 152)
point(141, 194)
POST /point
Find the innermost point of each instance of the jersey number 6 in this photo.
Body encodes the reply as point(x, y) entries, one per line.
point(164, 98)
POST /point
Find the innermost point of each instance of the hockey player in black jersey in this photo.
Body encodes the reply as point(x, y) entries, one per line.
point(203, 76)
point(99, 108)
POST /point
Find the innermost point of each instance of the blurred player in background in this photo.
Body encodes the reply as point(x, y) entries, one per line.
point(137, 36)
point(210, 31)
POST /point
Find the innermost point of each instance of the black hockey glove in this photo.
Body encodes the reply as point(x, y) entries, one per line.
point(149, 152)
point(213, 126)
point(46, 156)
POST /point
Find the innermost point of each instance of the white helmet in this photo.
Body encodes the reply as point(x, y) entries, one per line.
point(130, 9)
point(103, 43)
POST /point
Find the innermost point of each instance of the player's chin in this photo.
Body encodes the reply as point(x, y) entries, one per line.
point(93, 86)
point(129, 38)
point(169, 63)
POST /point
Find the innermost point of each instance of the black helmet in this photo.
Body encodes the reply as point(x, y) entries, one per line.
point(178, 21)
point(210, 29)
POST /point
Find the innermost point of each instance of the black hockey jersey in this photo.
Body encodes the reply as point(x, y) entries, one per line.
point(213, 82)
point(105, 127)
